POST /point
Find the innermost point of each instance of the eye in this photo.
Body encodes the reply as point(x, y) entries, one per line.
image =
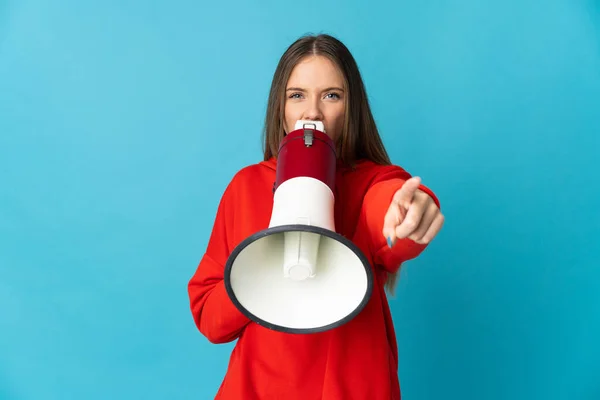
point(332, 96)
point(294, 96)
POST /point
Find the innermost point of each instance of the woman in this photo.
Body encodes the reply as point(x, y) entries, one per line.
point(389, 215)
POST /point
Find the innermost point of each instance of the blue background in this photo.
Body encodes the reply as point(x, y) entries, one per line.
point(121, 122)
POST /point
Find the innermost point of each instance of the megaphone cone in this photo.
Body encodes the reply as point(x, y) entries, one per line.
point(299, 275)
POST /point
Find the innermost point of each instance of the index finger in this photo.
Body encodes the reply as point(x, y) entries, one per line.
point(406, 193)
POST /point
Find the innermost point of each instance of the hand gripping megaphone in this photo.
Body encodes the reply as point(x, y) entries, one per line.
point(299, 275)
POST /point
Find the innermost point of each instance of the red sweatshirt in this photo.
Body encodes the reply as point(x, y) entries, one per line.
point(356, 361)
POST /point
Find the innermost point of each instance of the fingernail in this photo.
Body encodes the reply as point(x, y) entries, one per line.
point(389, 240)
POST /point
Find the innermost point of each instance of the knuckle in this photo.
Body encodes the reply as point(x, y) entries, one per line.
point(441, 220)
point(411, 223)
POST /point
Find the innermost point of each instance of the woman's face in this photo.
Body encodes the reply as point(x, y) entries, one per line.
point(315, 91)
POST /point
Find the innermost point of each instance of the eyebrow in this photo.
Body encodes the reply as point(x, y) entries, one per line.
point(297, 89)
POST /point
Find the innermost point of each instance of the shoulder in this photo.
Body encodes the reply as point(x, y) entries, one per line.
point(254, 172)
point(251, 176)
point(374, 172)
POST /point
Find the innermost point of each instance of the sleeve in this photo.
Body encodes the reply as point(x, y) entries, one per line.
point(377, 201)
point(214, 313)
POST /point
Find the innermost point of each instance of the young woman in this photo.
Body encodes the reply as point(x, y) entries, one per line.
point(387, 213)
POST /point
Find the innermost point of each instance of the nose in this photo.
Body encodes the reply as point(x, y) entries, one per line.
point(313, 111)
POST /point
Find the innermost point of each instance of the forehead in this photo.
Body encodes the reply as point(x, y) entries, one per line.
point(316, 71)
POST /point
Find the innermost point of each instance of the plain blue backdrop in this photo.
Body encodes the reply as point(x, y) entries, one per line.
point(121, 123)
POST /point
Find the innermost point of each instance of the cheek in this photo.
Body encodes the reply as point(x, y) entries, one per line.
point(290, 116)
point(336, 120)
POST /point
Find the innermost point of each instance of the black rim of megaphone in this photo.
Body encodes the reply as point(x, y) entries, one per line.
point(298, 228)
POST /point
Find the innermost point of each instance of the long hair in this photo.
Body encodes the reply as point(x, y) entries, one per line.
point(360, 138)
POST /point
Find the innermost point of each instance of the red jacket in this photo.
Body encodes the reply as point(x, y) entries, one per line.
point(356, 361)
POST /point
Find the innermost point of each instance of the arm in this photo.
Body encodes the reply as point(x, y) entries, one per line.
point(375, 206)
point(215, 315)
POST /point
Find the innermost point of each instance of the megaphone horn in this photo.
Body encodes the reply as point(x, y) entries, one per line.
point(299, 275)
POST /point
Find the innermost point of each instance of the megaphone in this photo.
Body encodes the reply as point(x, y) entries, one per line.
point(299, 275)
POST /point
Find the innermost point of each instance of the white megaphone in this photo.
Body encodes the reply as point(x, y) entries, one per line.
point(299, 275)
